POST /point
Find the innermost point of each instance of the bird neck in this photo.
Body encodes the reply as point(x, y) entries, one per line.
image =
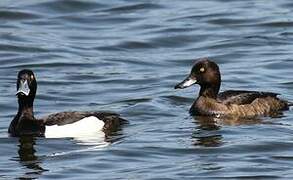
point(25, 105)
point(210, 91)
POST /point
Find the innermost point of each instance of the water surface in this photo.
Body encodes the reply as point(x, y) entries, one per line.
point(126, 56)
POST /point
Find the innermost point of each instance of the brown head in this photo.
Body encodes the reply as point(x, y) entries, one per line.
point(205, 73)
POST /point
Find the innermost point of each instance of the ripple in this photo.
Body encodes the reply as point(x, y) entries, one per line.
point(17, 15)
point(203, 16)
point(126, 56)
point(134, 7)
point(67, 6)
point(24, 49)
point(130, 45)
point(173, 41)
point(229, 21)
point(281, 24)
point(48, 65)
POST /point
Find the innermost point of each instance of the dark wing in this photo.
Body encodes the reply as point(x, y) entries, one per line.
point(242, 97)
point(63, 118)
point(112, 121)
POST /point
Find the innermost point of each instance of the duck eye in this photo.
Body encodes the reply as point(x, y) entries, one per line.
point(202, 69)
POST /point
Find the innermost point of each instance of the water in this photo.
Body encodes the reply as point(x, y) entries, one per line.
point(126, 56)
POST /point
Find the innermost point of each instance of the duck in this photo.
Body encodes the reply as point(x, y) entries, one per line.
point(239, 103)
point(26, 124)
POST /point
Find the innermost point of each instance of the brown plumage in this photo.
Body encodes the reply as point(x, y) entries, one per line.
point(206, 73)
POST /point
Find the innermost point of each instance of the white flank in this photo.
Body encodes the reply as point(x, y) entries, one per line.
point(88, 128)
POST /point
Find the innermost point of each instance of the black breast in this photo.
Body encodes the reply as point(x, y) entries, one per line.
point(28, 127)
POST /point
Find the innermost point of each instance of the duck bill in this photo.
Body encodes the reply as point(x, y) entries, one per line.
point(23, 88)
point(186, 83)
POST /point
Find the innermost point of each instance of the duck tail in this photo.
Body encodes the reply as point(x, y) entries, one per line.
point(289, 104)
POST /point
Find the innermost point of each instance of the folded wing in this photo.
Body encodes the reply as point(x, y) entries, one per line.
point(242, 97)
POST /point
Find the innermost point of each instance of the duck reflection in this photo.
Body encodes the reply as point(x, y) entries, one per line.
point(33, 163)
point(99, 139)
point(115, 134)
point(208, 130)
point(28, 159)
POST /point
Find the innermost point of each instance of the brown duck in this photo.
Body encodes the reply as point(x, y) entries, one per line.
point(244, 103)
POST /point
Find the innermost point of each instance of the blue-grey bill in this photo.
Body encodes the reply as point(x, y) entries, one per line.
point(186, 83)
point(23, 88)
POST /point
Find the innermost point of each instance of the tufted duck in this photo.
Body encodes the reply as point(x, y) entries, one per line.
point(210, 102)
point(24, 123)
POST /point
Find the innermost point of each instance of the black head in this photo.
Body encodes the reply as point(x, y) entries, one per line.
point(26, 84)
point(24, 122)
point(206, 73)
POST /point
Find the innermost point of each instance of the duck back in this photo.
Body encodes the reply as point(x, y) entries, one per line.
point(240, 103)
point(242, 97)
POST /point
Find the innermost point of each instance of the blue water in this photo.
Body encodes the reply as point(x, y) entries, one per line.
point(126, 56)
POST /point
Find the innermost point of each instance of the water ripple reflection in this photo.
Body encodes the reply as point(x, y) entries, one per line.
point(126, 56)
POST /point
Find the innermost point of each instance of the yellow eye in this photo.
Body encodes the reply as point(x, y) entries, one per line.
point(202, 69)
point(32, 77)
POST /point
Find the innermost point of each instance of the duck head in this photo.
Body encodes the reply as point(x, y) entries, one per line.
point(206, 74)
point(26, 87)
